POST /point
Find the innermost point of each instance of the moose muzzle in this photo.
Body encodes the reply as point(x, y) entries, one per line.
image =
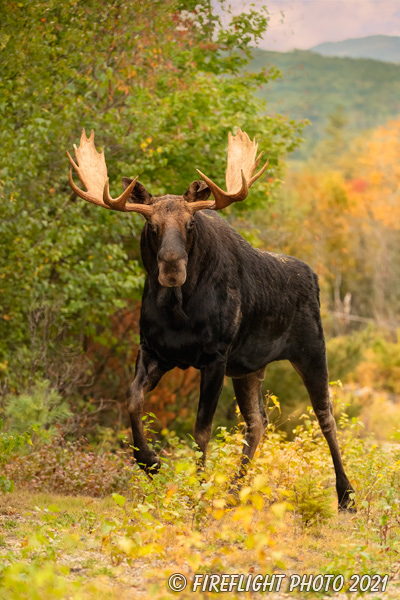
point(172, 260)
point(172, 273)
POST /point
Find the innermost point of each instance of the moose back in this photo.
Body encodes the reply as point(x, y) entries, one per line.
point(214, 302)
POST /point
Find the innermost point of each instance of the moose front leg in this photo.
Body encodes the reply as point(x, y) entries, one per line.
point(212, 379)
point(148, 374)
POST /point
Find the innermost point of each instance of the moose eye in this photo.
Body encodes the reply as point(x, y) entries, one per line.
point(153, 228)
point(189, 226)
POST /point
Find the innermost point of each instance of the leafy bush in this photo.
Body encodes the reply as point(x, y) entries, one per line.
point(71, 468)
point(9, 444)
point(381, 366)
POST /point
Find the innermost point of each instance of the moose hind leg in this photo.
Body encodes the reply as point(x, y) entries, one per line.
point(249, 398)
point(315, 377)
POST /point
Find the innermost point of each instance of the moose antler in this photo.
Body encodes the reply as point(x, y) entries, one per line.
point(242, 163)
point(92, 171)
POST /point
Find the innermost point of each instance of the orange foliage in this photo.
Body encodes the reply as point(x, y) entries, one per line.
point(175, 396)
point(345, 223)
point(320, 232)
point(378, 167)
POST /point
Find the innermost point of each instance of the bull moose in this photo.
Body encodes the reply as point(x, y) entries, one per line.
point(213, 302)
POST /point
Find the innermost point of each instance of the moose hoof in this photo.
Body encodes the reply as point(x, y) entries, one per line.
point(348, 507)
point(346, 501)
point(150, 464)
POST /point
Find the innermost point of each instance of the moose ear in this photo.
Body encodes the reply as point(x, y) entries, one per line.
point(139, 194)
point(198, 190)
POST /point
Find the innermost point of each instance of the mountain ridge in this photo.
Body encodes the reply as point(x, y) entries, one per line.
point(385, 48)
point(314, 87)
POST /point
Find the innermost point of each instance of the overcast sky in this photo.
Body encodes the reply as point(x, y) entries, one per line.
point(310, 22)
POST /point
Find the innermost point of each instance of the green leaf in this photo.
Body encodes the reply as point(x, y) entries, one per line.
point(120, 500)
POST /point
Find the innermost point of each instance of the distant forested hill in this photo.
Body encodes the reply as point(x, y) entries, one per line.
point(378, 47)
point(314, 87)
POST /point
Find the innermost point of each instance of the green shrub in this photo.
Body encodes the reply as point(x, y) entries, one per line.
point(42, 407)
point(312, 502)
point(8, 445)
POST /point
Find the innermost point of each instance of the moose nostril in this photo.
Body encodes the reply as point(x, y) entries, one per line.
point(171, 274)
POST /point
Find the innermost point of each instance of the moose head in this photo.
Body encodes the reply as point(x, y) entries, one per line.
point(170, 226)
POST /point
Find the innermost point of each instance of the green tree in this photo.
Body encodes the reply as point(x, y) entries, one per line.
point(161, 83)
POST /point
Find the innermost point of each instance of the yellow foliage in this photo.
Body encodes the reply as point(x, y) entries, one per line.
point(377, 171)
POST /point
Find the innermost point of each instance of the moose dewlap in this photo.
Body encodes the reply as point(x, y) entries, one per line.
point(213, 302)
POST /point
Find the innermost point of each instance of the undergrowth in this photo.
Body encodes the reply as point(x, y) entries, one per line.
point(65, 467)
point(285, 520)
